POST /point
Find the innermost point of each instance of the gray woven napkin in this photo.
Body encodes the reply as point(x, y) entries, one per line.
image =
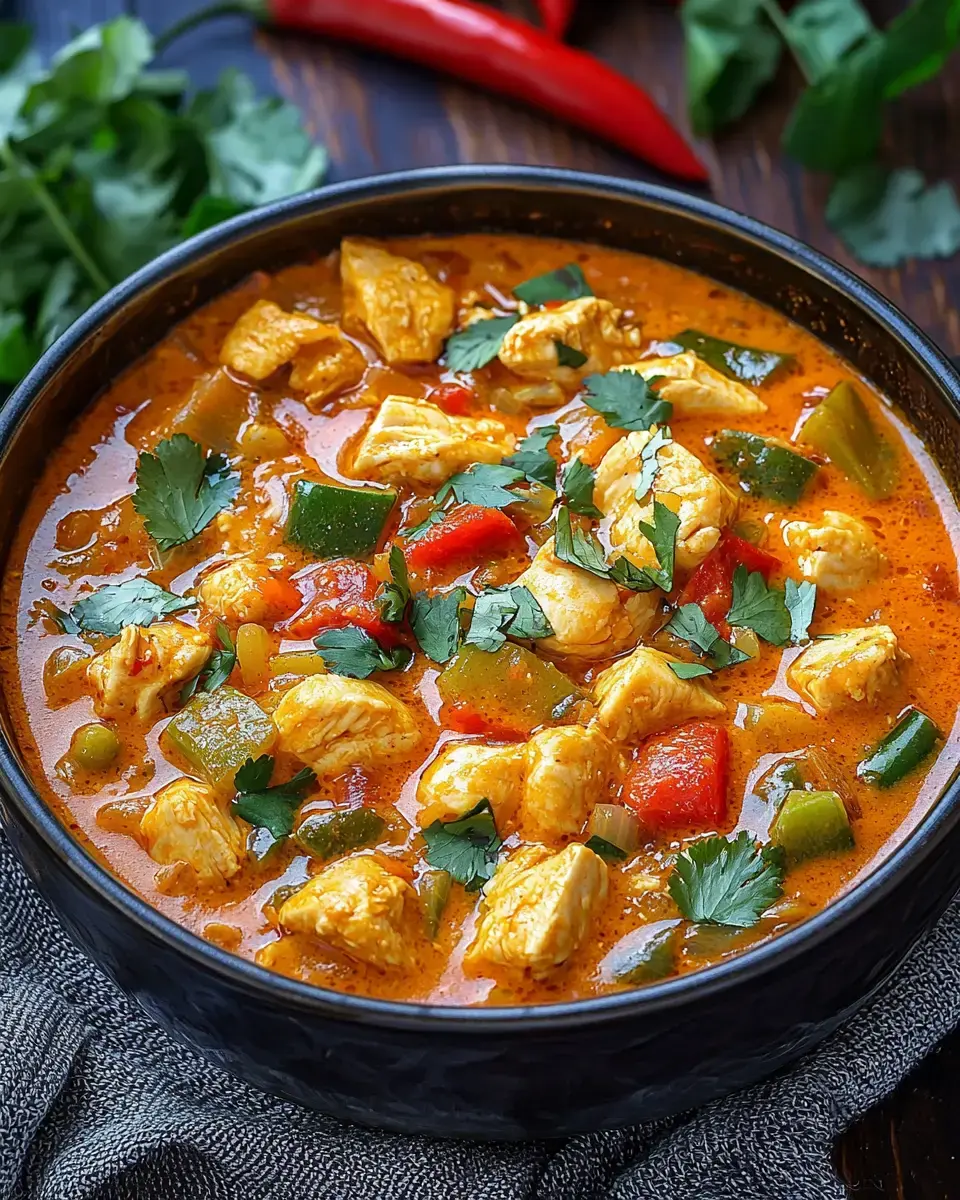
point(97, 1103)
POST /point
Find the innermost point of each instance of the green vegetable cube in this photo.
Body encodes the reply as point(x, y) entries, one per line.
point(330, 521)
point(328, 834)
point(840, 427)
point(647, 955)
point(766, 468)
point(434, 888)
point(811, 824)
point(218, 731)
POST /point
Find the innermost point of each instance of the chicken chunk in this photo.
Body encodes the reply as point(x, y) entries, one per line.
point(133, 674)
point(694, 388)
point(332, 365)
point(413, 441)
point(464, 774)
point(640, 694)
point(266, 337)
point(245, 590)
point(568, 771)
point(837, 553)
point(408, 313)
point(357, 906)
point(861, 664)
point(186, 823)
point(591, 617)
point(331, 723)
point(703, 504)
point(537, 909)
point(589, 325)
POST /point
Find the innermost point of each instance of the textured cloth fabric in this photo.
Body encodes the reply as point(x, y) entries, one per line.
point(97, 1103)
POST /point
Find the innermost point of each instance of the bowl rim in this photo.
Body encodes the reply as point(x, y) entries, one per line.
point(244, 973)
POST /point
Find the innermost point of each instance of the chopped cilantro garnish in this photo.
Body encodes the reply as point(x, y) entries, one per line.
point(418, 530)
point(180, 490)
point(649, 466)
point(801, 600)
point(393, 596)
point(353, 652)
point(478, 344)
point(533, 458)
point(579, 549)
point(500, 612)
point(690, 625)
point(576, 487)
point(759, 607)
point(569, 356)
point(484, 484)
point(727, 882)
point(662, 535)
point(266, 807)
point(218, 667)
point(133, 602)
point(685, 670)
point(467, 848)
point(626, 400)
point(565, 283)
point(435, 621)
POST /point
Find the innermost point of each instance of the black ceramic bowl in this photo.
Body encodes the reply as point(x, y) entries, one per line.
point(507, 1072)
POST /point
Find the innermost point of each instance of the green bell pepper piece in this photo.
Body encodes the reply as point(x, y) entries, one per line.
point(840, 427)
point(811, 824)
point(328, 834)
point(649, 954)
point(779, 782)
point(330, 521)
point(904, 748)
point(216, 732)
point(434, 888)
point(743, 363)
point(766, 468)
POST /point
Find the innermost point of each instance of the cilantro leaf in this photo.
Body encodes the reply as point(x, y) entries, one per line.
point(821, 32)
point(759, 607)
point(533, 458)
point(724, 881)
point(649, 466)
point(576, 487)
point(662, 535)
point(691, 625)
point(179, 490)
point(484, 484)
point(886, 217)
point(801, 600)
point(466, 848)
point(626, 400)
point(577, 548)
point(392, 597)
point(351, 651)
point(626, 574)
point(478, 344)
point(500, 612)
point(218, 667)
point(268, 807)
point(569, 356)
point(685, 670)
point(435, 621)
point(133, 602)
point(418, 530)
point(565, 283)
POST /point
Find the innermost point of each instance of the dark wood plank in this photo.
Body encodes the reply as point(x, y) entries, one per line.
point(376, 114)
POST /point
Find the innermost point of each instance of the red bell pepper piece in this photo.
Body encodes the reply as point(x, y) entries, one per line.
point(464, 718)
point(679, 779)
point(469, 531)
point(556, 16)
point(489, 48)
point(711, 584)
point(453, 398)
point(339, 593)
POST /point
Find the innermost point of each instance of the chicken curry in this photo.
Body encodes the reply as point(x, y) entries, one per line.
point(485, 620)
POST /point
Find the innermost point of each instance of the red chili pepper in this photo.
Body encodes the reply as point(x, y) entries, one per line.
point(679, 780)
point(453, 398)
point(341, 593)
point(467, 531)
point(711, 584)
point(556, 16)
point(504, 54)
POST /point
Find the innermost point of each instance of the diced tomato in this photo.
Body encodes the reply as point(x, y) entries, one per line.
point(338, 593)
point(464, 718)
point(679, 779)
point(469, 531)
point(453, 398)
point(711, 584)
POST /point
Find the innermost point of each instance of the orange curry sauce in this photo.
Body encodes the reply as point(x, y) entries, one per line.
point(80, 532)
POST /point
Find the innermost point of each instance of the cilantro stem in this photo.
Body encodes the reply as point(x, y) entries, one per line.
point(54, 215)
point(258, 9)
point(779, 22)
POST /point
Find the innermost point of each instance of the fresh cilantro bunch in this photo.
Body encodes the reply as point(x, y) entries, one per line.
point(105, 163)
point(852, 71)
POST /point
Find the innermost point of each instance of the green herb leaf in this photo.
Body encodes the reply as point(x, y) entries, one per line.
point(743, 363)
point(484, 484)
point(691, 625)
point(466, 848)
point(218, 667)
point(478, 344)
point(685, 670)
point(759, 607)
point(179, 491)
point(577, 548)
point(727, 882)
point(133, 602)
point(576, 487)
point(569, 356)
point(417, 531)
point(533, 458)
point(268, 807)
point(662, 535)
point(565, 283)
point(626, 400)
point(626, 574)
point(801, 600)
point(435, 621)
point(649, 466)
point(351, 651)
point(887, 217)
point(500, 612)
point(821, 32)
point(392, 597)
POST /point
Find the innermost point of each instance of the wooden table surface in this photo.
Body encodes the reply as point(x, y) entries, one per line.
point(375, 114)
